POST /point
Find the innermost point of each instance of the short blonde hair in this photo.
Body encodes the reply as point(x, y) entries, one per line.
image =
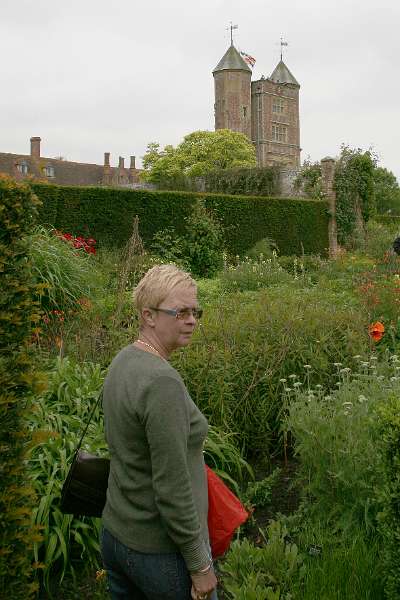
point(158, 283)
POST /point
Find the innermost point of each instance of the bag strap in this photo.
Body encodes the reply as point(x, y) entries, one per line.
point(88, 423)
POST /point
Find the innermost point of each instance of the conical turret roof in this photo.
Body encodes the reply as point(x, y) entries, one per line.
point(282, 74)
point(232, 61)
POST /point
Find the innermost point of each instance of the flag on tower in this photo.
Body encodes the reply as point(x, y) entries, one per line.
point(249, 59)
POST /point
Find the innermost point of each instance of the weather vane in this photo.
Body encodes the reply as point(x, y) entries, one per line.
point(232, 27)
point(283, 43)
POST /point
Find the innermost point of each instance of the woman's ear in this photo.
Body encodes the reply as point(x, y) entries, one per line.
point(147, 317)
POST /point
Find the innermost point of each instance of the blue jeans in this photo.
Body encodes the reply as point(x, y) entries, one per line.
point(134, 575)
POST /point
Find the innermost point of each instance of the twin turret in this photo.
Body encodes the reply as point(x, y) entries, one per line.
point(266, 111)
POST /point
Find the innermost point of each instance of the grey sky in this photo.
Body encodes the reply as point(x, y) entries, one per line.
point(90, 76)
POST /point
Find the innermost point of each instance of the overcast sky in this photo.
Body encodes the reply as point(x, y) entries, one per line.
point(90, 76)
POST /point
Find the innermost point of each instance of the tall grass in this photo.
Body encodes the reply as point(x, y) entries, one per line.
point(248, 342)
point(345, 567)
point(67, 274)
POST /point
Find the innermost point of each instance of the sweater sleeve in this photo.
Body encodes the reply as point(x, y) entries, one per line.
point(167, 426)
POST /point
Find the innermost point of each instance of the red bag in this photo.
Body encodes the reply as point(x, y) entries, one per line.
point(225, 514)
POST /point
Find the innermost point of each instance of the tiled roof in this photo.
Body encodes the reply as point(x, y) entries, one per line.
point(282, 74)
point(232, 61)
point(65, 172)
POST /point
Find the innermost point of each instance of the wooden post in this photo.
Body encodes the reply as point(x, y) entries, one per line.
point(328, 175)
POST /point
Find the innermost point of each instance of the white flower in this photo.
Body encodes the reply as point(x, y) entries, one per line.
point(307, 366)
point(297, 384)
point(283, 380)
point(337, 364)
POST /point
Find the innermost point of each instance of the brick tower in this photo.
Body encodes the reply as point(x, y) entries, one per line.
point(267, 110)
point(232, 84)
point(275, 129)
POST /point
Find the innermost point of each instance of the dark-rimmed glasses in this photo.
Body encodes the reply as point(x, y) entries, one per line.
point(182, 313)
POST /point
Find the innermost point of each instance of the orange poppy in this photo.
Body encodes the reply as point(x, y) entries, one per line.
point(376, 331)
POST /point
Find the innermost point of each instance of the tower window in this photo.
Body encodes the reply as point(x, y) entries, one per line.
point(279, 133)
point(244, 111)
point(278, 105)
point(48, 171)
point(22, 168)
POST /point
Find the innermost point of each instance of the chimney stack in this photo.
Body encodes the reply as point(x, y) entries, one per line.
point(106, 159)
point(121, 162)
point(133, 162)
point(35, 147)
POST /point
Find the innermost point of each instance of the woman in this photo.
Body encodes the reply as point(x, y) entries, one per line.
point(155, 539)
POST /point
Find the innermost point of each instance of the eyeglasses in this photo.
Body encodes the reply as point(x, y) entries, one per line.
point(182, 314)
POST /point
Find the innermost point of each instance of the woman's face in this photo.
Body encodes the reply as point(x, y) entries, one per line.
point(174, 333)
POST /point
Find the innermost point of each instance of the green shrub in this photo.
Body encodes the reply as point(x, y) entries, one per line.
point(248, 341)
point(19, 378)
point(252, 275)
point(379, 238)
point(336, 439)
point(265, 248)
point(202, 243)
point(259, 493)
point(389, 518)
point(262, 573)
point(199, 249)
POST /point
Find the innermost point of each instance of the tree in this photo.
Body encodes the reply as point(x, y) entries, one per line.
point(387, 192)
point(200, 153)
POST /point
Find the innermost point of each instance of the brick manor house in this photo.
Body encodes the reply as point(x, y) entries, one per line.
point(65, 172)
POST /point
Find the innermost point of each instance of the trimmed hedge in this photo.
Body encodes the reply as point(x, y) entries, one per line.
point(296, 225)
point(19, 318)
point(389, 518)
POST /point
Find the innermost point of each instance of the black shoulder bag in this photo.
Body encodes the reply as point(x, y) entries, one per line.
point(84, 490)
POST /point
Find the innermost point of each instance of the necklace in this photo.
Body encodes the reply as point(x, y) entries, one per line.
point(151, 347)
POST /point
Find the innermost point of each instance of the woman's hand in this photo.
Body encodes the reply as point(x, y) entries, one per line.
point(203, 585)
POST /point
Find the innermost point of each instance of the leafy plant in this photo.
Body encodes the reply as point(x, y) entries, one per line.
point(336, 439)
point(259, 493)
point(56, 424)
point(265, 572)
point(202, 243)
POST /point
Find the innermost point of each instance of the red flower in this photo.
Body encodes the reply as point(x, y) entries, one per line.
point(376, 331)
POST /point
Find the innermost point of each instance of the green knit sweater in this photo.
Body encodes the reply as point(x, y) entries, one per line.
point(157, 497)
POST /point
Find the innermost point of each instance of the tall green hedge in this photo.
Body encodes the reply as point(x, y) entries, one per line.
point(19, 316)
point(389, 518)
point(107, 214)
